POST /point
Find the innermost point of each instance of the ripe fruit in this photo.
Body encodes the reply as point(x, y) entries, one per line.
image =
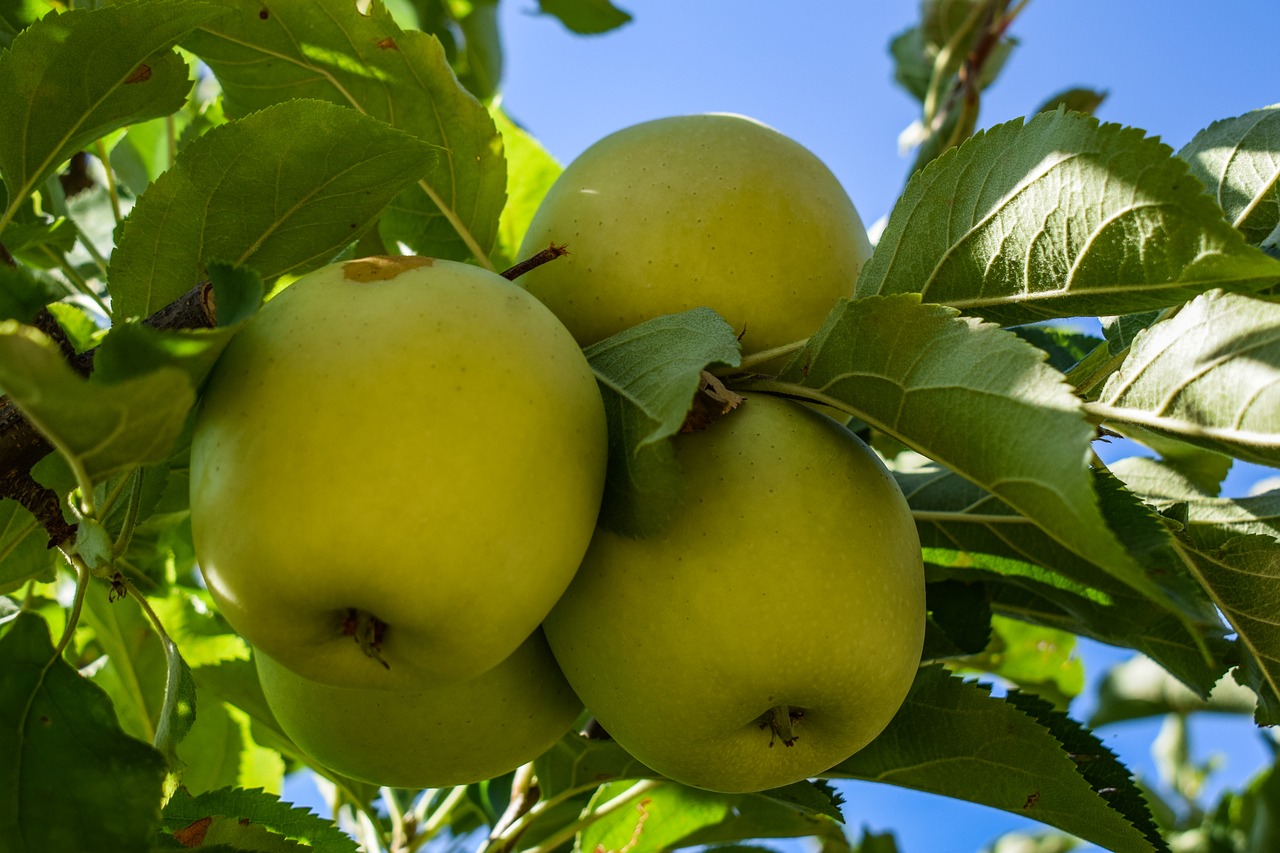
point(773, 628)
point(432, 737)
point(402, 452)
point(715, 210)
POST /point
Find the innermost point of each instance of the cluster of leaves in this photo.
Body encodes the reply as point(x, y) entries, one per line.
point(321, 129)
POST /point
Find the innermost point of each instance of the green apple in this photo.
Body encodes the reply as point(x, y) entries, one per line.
point(713, 210)
point(773, 628)
point(395, 472)
point(434, 736)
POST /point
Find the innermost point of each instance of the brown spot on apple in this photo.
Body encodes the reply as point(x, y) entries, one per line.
point(383, 267)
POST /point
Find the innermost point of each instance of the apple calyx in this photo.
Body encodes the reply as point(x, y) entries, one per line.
point(368, 631)
point(781, 720)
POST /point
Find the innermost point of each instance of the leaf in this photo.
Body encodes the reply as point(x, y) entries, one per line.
point(72, 780)
point(1238, 160)
point(1140, 688)
point(952, 738)
point(1077, 99)
point(16, 16)
point(1209, 521)
point(1059, 217)
point(71, 78)
point(281, 191)
point(1243, 576)
point(99, 428)
point(1033, 658)
point(220, 752)
point(657, 821)
point(896, 364)
point(649, 375)
point(969, 535)
point(1096, 763)
point(530, 173)
point(585, 17)
point(328, 50)
point(192, 817)
point(580, 763)
point(24, 548)
point(1209, 376)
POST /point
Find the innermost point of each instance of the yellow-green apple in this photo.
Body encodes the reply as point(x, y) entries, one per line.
point(710, 210)
point(434, 736)
point(773, 628)
point(395, 472)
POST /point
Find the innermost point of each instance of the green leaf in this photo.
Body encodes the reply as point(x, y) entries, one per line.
point(1243, 576)
point(579, 763)
point(1033, 658)
point(1059, 217)
point(1238, 159)
point(1140, 688)
point(1209, 521)
point(530, 173)
point(656, 821)
point(1209, 376)
point(1076, 99)
point(220, 752)
point(72, 780)
point(1065, 347)
point(329, 50)
point(24, 548)
point(23, 294)
point(16, 16)
point(649, 375)
point(281, 191)
point(229, 808)
point(969, 535)
point(585, 17)
point(895, 364)
point(71, 78)
point(952, 738)
point(99, 428)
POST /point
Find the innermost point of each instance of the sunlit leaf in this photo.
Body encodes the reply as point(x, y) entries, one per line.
point(330, 51)
point(1059, 217)
point(72, 77)
point(1209, 376)
point(1238, 159)
point(303, 193)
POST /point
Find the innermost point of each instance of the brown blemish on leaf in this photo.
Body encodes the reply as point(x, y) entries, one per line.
point(1032, 799)
point(264, 14)
point(140, 74)
point(383, 267)
point(193, 834)
point(388, 43)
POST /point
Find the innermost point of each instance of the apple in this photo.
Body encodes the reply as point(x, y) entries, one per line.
point(434, 736)
point(395, 472)
point(773, 628)
point(711, 210)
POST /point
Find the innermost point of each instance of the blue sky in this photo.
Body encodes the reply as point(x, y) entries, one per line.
point(820, 72)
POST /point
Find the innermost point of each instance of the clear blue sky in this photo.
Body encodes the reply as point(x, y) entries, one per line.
point(820, 72)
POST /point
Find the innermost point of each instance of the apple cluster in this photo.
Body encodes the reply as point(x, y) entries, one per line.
point(398, 465)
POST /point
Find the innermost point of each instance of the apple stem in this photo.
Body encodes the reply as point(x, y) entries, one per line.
point(781, 720)
point(548, 254)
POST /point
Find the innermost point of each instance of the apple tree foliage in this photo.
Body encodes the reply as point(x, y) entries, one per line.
point(162, 156)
